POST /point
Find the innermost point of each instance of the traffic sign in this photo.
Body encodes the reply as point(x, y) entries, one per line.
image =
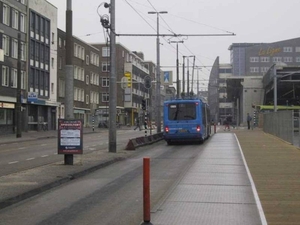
point(124, 82)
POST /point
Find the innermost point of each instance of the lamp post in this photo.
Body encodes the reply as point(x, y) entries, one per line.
point(177, 68)
point(158, 117)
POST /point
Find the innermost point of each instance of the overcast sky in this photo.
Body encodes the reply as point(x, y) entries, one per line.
point(251, 21)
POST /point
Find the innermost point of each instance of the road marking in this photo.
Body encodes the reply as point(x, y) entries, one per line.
point(30, 159)
point(43, 156)
point(94, 145)
point(22, 148)
point(43, 144)
point(2, 144)
point(55, 153)
point(13, 162)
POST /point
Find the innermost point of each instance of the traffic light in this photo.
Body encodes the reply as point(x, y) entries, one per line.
point(147, 82)
point(128, 76)
point(143, 104)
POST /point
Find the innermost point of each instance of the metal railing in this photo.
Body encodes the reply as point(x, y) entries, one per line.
point(281, 124)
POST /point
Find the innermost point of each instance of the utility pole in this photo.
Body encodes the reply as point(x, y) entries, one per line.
point(158, 97)
point(69, 76)
point(177, 68)
point(183, 76)
point(188, 76)
point(18, 102)
point(112, 82)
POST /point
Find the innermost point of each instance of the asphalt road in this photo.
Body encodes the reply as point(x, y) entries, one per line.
point(19, 156)
point(112, 195)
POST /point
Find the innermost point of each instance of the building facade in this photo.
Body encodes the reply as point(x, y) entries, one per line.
point(235, 87)
point(13, 21)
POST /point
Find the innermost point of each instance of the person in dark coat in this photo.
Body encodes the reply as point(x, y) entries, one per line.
point(249, 118)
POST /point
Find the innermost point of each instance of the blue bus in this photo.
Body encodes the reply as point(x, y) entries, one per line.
point(186, 120)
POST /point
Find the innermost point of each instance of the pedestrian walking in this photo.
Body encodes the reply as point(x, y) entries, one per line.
point(227, 123)
point(249, 119)
point(137, 124)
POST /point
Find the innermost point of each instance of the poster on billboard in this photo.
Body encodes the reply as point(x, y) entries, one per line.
point(70, 140)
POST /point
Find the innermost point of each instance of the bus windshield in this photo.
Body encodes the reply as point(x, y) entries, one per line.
point(182, 111)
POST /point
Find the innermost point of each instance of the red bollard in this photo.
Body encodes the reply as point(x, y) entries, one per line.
point(146, 189)
point(215, 128)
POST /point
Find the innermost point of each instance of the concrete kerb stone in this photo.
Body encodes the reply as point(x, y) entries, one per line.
point(141, 141)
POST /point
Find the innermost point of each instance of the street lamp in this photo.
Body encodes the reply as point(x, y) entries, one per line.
point(158, 117)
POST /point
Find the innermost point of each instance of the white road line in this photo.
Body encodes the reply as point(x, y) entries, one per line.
point(22, 148)
point(43, 144)
point(2, 144)
point(13, 162)
point(55, 153)
point(43, 156)
point(30, 159)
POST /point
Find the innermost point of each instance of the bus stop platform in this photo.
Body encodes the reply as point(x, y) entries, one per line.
point(240, 177)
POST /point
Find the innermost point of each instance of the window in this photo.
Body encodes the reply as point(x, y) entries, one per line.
point(297, 49)
point(87, 98)
point(42, 27)
point(254, 59)
point(52, 62)
point(37, 24)
point(6, 14)
point(277, 59)
point(5, 44)
point(105, 82)
point(264, 69)
point(52, 88)
point(23, 51)
point(105, 97)
point(105, 67)
point(32, 17)
point(87, 60)
point(287, 59)
point(105, 52)
point(6, 116)
point(287, 49)
point(13, 78)
point(53, 38)
point(32, 48)
point(5, 76)
point(87, 79)
point(59, 42)
point(14, 50)
point(264, 59)
point(15, 19)
point(254, 69)
point(42, 58)
point(297, 59)
point(37, 51)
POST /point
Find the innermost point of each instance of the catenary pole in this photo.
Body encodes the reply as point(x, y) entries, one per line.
point(177, 69)
point(112, 82)
point(69, 75)
point(18, 102)
point(158, 97)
